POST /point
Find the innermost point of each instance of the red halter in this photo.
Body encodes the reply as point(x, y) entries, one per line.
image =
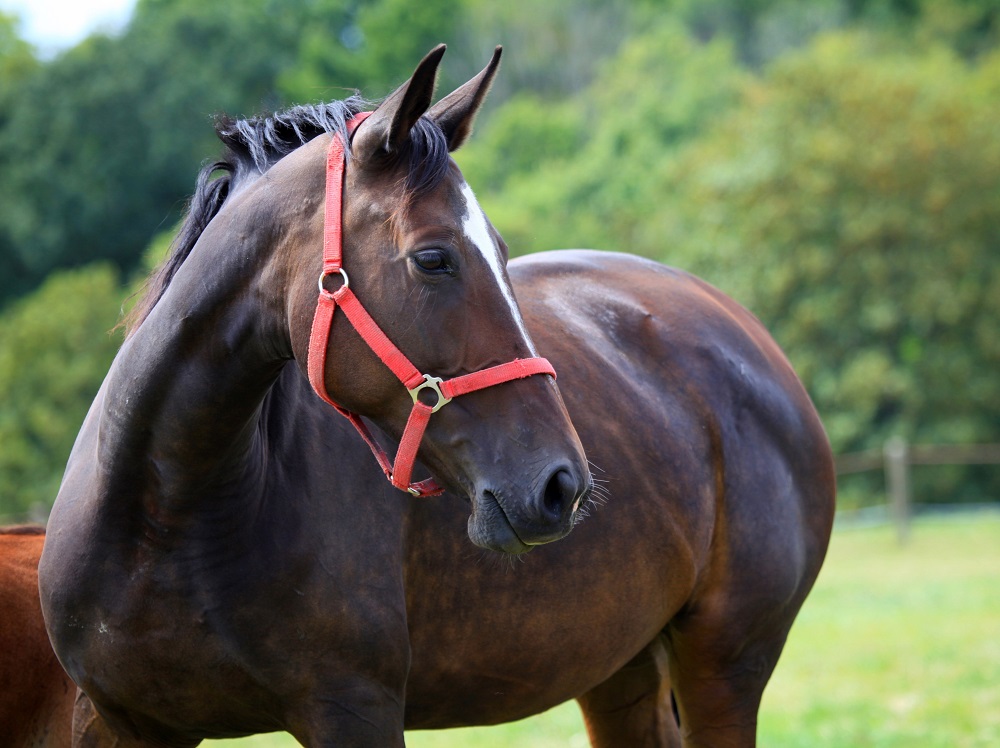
point(391, 356)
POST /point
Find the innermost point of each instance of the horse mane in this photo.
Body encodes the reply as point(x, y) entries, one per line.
point(253, 145)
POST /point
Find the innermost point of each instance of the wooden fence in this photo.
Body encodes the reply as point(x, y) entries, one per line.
point(895, 459)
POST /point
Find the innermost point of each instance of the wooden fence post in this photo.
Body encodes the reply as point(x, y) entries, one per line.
point(897, 483)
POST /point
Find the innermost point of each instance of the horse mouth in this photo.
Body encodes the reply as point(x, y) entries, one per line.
point(489, 527)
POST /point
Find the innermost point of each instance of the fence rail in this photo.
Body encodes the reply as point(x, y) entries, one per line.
point(895, 459)
point(921, 454)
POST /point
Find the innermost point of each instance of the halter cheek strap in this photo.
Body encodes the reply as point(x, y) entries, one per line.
point(415, 382)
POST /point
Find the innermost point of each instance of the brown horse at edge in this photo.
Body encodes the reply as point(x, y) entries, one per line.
point(36, 695)
point(224, 558)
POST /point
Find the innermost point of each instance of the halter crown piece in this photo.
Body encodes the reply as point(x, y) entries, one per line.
point(415, 382)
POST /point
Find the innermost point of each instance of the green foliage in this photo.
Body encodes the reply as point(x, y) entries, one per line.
point(851, 202)
point(16, 57)
point(555, 48)
point(761, 30)
point(100, 145)
point(377, 43)
point(524, 134)
point(55, 348)
point(843, 185)
point(970, 27)
point(365, 49)
point(594, 187)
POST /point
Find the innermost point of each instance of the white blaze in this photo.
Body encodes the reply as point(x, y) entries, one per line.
point(478, 233)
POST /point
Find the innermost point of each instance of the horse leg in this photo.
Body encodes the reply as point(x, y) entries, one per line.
point(633, 708)
point(90, 730)
point(356, 712)
point(719, 670)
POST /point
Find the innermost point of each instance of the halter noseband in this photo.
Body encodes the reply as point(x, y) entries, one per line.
point(391, 356)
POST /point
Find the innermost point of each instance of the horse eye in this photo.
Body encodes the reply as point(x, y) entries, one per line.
point(433, 261)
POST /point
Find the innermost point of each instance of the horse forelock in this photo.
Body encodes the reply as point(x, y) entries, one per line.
point(254, 145)
point(427, 157)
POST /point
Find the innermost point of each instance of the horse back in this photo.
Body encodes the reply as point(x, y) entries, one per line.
point(36, 695)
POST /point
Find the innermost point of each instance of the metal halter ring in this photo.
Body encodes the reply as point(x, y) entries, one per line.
point(324, 275)
point(432, 383)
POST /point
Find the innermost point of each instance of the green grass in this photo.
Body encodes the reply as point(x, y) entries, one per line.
point(896, 646)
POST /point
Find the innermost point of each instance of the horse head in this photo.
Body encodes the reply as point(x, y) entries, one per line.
point(428, 272)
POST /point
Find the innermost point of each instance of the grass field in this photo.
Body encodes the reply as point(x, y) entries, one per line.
point(896, 646)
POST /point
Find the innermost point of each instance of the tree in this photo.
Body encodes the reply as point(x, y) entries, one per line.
point(852, 203)
point(99, 147)
point(17, 61)
point(580, 172)
point(55, 348)
point(16, 56)
point(375, 47)
point(552, 49)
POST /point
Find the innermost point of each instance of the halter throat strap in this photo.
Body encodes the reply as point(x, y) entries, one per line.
point(413, 380)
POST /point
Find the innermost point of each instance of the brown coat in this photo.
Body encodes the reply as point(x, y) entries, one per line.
point(36, 695)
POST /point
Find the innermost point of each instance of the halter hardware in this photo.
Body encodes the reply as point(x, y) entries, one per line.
point(412, 379)
point(434, 385)
point(327, 273)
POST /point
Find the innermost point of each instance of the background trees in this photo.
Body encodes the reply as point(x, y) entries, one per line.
point(55, 347)
point(852, 201)
point(834, 164)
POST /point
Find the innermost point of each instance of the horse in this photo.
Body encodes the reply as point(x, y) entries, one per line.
point(36, 695)
point(224, 559)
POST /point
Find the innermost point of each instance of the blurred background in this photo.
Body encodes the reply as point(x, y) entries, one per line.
point(832, 164)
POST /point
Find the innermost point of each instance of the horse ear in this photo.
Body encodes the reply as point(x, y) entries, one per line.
point(388, 127)
point(456, 112)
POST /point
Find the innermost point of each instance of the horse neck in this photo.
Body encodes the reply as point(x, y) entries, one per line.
point(182, 400)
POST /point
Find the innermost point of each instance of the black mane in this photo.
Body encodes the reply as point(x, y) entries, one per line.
point(255, 144)
point(258, 142)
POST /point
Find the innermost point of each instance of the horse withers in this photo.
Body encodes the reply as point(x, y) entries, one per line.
point(225, 558)
point(36, 695)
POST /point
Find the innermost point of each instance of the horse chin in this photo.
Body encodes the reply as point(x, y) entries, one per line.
point(489, 527)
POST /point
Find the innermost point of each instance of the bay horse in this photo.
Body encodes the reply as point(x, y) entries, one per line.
point(223, 559)
point(36, 695)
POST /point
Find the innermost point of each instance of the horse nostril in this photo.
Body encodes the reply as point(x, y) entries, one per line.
point(560, 492)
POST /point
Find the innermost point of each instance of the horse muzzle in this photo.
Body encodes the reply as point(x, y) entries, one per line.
point(504, 521)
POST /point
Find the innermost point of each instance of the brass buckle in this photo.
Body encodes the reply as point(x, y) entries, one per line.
point(433, 383)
